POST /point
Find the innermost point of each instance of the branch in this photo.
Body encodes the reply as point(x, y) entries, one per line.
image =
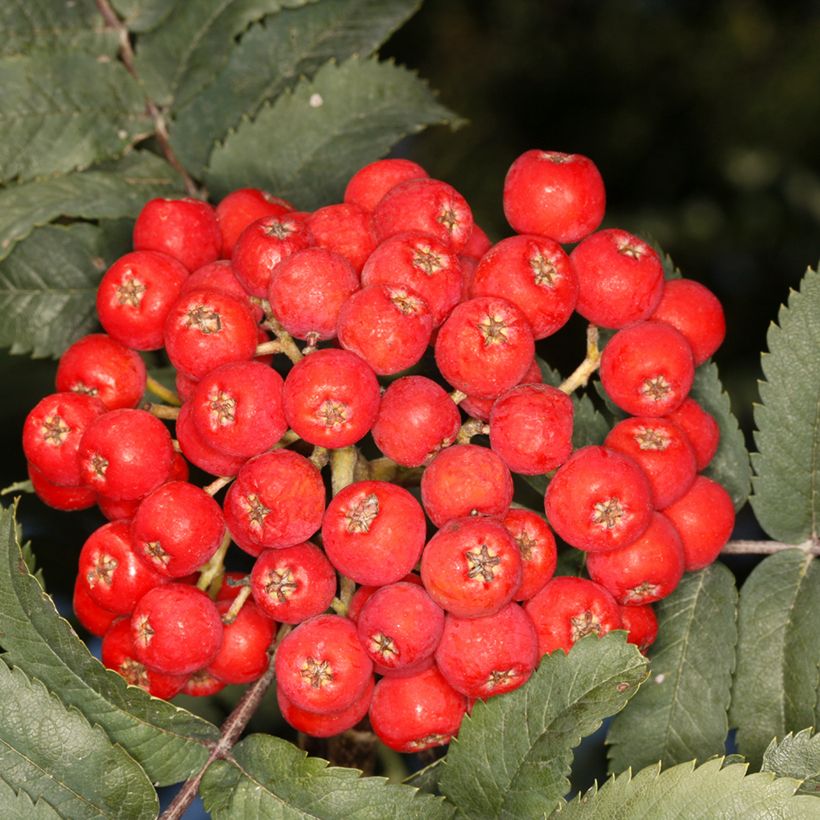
point(587, 367)
point(767, 547)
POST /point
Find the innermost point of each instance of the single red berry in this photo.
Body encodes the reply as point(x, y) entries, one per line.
point(176, 629)
point(484, 657)
point(199, 452)
point(552, 194)
point(536, 543)
point(321, 666)
point(696, 312)
point(485, 346)
point(243, 655)
point(469, 266)
point(202, 684)
point(599, 500)
point(344, 229)
point(293, 584)
point(662, 450)
point(705, 518)
point(277, 500)
point(242, 207)
point(219, 276)
point(92, 617)
point(124, 454)
point(647, 369)
point(701, 429)
point(533, 273)
point(66, 499)
point(185, 386)
point(326, 724)
point(416, 713)
point(477, 245)
point(363, 594)
point(567, 609)
point(471, 567)
point(481, 408)
point(641, 625)
point(620, 278)
point(331, 398)
point(116, 510)
point(369, 184)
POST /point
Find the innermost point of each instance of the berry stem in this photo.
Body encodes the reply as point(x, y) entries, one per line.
point(768, 547)
point(588, 366)
point(458, 396)
point(319, 457)
point(162, 411)
point(342, 467)
point(230, 616)
point(385, 469)
point(471, 427)
point(341, 604)
point(285, 340)
point(215, 565)
point(217, 484)
point(162, 392)
point(267, 348)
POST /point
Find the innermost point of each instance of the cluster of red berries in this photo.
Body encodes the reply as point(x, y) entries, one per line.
point(369, 285)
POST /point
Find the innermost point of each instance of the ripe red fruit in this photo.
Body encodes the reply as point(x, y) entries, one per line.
point(485, 346)
point(705, 518)
point(219, 276)
point(554, 194)
point(477, 245)
point(463, 480)
point(620, 278)
point(363, 594)
point(183, 228)
point(202, 684)
point(647, 369)
point(326, 724)
point(370, 183)
point(531, 428)
point(66, 499)
point(471, 567)
point(198, 451)
point(641, 625)
point(481, 408)
point(241, 207)
point(243, 655)
point(176, 629)
point(93, 617)
point(374, 532)
point(536, 543)
point(533, 273)
point(569, 608)
point(331, 398)
point(344, 229)
point(701, 429)
point(599, 500)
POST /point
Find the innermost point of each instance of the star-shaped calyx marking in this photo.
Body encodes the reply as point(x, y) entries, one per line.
point(481, 563)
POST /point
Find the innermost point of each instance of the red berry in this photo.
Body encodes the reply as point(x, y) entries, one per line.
point(344, 229)
point(477, 245)
point(66, 499)
point(363, 594)
point(92, 617)
point(370, 183)
point(219, 276)
point(641, 625)
point(243, 655)
point(599, 500)
point(326, 724)
point(242, 207)
point(481, 408)
point(551, 194)
point(199, 452)
point(202, 684)
point(536, 543)
point(701, 429)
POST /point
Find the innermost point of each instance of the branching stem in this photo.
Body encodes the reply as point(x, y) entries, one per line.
point(162, 411)
point(162, 392)
point(588, 366)
point(215, 565)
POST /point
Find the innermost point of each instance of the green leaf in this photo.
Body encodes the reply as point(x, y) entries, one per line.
point(48, 287)
point(168, 742)
point(19, 806)
point(796, 756)
point(54, 753)
point(730, 465)
point(427, 778)
point(786, 499)
point(514, 752)
point(59, 112)
point(307, 144)
point(109, 191)
point(680, 713)
point(778, 652)
point(143, 15)
point(712, 790)
point(271, 57)
point(18, 487)
point(269, 777)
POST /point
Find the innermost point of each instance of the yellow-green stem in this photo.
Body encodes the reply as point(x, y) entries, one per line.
point(161, 391)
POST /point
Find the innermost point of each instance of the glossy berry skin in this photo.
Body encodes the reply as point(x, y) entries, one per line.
point(696, 312)
point(644, 571)
point(484, 657)
point(463, 480)
point(344, 229)
point(326, 724)
point(416, 713)
point(569, 608)
point(701, 429)
point(389, 326)
point(243, 655)
point(481, 408)
point(705, 518)
point(242, 207)
point(599, 500)
point(477, 245)
point(363, 594)
point(124, 454)
point(199, 452)
point(535, 274)
point(369, 184)
point(331, 398)
point(237, 408)
point(92, 617)
point(114, 576)
point(620, 278)
point(662, 450)
point(321, 666)
point(531, 428)
point(307, 290)
point(52, 433)
point(416, 419)
point(186, 229)
point(202, 684)
point(400, 626)
point(277, 500)
point(536, 544)
point(293, 584)
point(427, 205)
point(177, 528)
point(66, 499)
point(641, 625)
point(647, 369)
point(100, 366)
point(553, 194)
point(219, 276)
point(176, 629)
point(471, 567)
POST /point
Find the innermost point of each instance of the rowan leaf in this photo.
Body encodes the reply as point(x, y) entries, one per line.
point(797, 756)
point(786, 496)
point(19, 806)
point(140, 16)
point(777, 680)
point(514, 752)
point(680, 713)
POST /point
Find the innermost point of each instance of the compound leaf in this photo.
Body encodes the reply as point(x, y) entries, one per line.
point(778, 652)
point(786, 496)
point(268, 777)
point(514, 752)
point(680, 713)
point(56, 755)
point(307, 144)
point(19, 806)
point(168, 742)
point(796, 756)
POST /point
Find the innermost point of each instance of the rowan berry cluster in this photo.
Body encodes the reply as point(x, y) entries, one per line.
point(405, 606)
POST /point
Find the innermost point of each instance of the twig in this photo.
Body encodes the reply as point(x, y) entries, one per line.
point(458, 396)
point(471, 427)
point(217, 484)
point(215, 564)
point(587, 367)
point(342, 467)
point(162, 411)
point(284, 339)
point(162, 392)
point(236, 606)
point(767, 547)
